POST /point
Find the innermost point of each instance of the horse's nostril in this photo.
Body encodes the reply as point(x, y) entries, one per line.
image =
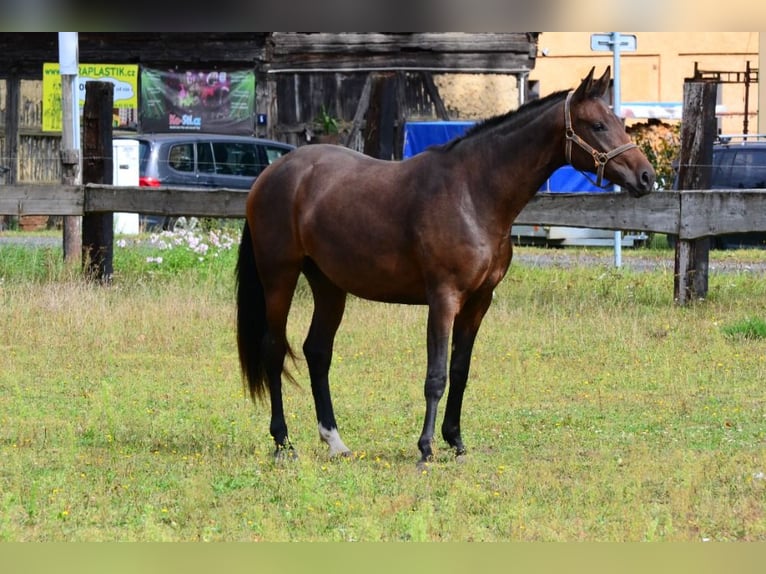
point(647, 179)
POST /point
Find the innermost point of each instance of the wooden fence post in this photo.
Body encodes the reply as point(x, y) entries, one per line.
point(379, 133)
point(12, 95)
point(70, 169)
point(698, 130)
point(98, 228)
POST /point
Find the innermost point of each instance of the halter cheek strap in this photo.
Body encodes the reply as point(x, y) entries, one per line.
point(600, 158)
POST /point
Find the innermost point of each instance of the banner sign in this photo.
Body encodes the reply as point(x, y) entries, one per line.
point(123, 76)
point(197, 100)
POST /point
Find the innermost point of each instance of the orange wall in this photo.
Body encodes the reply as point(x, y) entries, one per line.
point(656, 71)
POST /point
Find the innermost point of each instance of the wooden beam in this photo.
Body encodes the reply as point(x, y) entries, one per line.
point(694, 172)
point(361, 111)
point(736, 210)
point(684, 213)
point(433, 92)
point(656, 212)
point(166, 201)
point(42, 199)
point(97, 165)
point(12, 91)
point(10, 161)
point(70, 168)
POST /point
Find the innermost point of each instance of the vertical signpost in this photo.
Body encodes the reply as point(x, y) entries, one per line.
point(616, 43)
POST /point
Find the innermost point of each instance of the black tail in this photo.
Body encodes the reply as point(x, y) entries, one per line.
point(251, 318)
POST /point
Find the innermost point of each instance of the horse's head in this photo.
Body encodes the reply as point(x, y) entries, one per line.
point(596, 139)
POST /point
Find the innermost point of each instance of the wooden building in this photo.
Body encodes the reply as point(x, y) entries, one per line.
point(368, 84)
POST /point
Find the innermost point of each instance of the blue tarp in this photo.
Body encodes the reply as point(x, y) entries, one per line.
point(420, 135)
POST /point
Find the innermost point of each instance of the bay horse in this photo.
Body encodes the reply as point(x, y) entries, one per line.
point(431, 230)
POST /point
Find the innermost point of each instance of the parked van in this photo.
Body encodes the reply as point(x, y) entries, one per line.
point(203, 161)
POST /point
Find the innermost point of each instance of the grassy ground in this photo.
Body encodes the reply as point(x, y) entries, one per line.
point(596, 410)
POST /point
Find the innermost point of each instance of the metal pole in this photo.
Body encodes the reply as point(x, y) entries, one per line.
point(617, 110)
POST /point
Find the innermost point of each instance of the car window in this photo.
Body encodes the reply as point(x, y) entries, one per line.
point(739, 168)
point(274, 153)
point(748, 170)
point(144, 151)
point(720, 177)
point(181, 157)
point(236, 158)
point(205, 162)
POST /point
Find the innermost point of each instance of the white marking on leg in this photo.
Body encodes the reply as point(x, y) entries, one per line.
point(332, 438)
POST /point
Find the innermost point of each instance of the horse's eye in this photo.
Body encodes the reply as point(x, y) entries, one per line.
point(599, 127)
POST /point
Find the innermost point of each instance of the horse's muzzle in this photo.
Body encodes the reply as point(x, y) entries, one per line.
point(644, 183)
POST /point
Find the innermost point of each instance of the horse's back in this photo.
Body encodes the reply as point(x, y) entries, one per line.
point(352, 214)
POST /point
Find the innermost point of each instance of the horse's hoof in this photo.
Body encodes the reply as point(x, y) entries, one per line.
point(341, 455)
point(285, 453)
point(423, 465)
point(461, 457)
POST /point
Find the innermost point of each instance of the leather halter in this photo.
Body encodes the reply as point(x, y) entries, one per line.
point(600, 158)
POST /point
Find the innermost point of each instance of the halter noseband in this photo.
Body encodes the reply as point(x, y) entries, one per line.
point(599, 157)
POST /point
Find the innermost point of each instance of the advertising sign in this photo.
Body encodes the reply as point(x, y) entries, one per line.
point(197, 100)
point(123, 76)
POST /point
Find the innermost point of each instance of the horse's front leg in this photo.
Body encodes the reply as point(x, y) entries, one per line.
point(463, 337)
point(439, 322)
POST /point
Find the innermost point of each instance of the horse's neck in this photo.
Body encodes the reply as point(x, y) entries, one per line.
point(514, 164)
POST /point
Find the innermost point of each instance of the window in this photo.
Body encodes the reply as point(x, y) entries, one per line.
point(274, 153)
point(144, 150)
point(236, 158)
point(739, 168)
point(205, 163)
point(749, 169)
point(223, 158)
point(181, 157)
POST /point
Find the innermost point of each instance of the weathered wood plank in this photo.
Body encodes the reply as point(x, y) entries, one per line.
point(158, 201)
point(499, 62)
point(706, 213)
point(289, 43)
point(657, 212)
point(694, 172)
point(41, 199)
point(98, 228)
point(690, 214)
point(25, 52)
point(503, 49)
point(500, 52)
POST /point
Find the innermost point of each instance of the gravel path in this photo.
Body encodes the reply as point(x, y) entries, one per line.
point(632, 260)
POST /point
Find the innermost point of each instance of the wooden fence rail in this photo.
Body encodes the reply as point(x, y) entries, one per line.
point(688, 214)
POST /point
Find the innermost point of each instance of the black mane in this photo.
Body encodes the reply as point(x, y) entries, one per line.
point(518, 115)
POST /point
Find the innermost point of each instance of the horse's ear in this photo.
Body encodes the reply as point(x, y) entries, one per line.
point(601, 86)
point(584, 89)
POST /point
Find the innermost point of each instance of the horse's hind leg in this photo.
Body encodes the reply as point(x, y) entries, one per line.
point(329, 304)
point(279, 293)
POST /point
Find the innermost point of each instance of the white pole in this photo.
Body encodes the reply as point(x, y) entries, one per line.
point(617, 110)
point(69, 69)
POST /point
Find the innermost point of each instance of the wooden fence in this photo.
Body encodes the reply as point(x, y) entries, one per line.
point(690, 215)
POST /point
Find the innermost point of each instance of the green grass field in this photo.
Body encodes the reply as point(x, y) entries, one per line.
point(597, 410)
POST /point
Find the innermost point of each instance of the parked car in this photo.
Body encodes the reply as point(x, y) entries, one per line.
point(739, 162)
point(201, 161)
